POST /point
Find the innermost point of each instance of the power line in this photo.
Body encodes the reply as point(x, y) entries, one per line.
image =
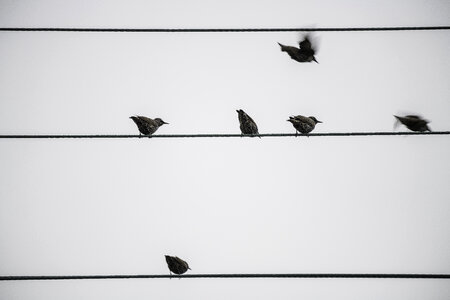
point(304, 275)
point(415, 28)
point(207, 135)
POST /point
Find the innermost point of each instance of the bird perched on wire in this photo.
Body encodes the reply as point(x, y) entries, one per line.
point(303, 54)
point(247, 125)
point(146, 125)
point(413, 122)
point(303, 124)
point(176, 265)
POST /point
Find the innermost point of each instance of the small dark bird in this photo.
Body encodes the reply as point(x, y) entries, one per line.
point(303, 124)
point(303, 54)
point(176, 265)
point(247, 125)
point(413, 122)
point(146, 125)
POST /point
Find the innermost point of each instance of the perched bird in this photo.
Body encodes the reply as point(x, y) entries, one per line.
point(303, 124)
point(146, 125)
point(247, 125)
point(303, 54)
point(176, 265)
point(413, 122)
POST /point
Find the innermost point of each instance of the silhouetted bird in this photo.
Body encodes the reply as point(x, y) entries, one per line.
point(303, 54)
point(176, 265)
point(146, 125)
point(413, 122)
point(303, 124)
point(247, 125)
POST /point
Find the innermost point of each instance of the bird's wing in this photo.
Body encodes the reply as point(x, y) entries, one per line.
point(413, 117)
point(301, 118)
point(146, 120)
point(252, 124)
point(305, 44)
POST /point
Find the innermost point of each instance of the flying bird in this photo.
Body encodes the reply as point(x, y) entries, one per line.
point(303, 124)
point(247, 125)
point(303, 54)
point(413, 122)
point(146, 125)
point(176, 265)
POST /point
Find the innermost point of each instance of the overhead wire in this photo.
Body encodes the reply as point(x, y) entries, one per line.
point(323, 29)
point(211, 135)
point(301, 275)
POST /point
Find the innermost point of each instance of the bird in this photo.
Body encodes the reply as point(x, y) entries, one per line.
point(303, 124)
point(247, 125)
point(413, 122)
point(305, 53)
point(146, 125)
point(176, 265)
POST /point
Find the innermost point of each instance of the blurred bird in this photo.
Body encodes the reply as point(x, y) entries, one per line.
point(303, 54)
point(146, 125)
point(247, 125)
point(176, 265)
point(413, 122)
point(303, 124)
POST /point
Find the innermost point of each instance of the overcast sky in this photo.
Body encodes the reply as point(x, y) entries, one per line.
point(225, 205)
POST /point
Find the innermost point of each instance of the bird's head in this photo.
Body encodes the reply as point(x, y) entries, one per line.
point(315, 120)
point(160, 121)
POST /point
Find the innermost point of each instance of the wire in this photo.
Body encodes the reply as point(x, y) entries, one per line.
point(305, 275)
point(206, 135)
point(224, 29)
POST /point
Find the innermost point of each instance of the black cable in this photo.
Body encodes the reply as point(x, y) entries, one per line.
point(305, 275)
point(207, 135)
point(224, 29)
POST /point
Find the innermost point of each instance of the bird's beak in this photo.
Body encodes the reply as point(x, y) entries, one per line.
point(165, 122)
point(314, 59)
point(319, 121)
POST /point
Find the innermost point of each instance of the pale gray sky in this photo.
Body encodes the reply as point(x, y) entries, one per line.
point(270, 205)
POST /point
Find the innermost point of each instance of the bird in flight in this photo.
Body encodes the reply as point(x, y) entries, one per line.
point(305, 52)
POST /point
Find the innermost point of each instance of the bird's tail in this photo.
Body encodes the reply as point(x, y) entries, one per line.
point(283, 47)
point(397, 121)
